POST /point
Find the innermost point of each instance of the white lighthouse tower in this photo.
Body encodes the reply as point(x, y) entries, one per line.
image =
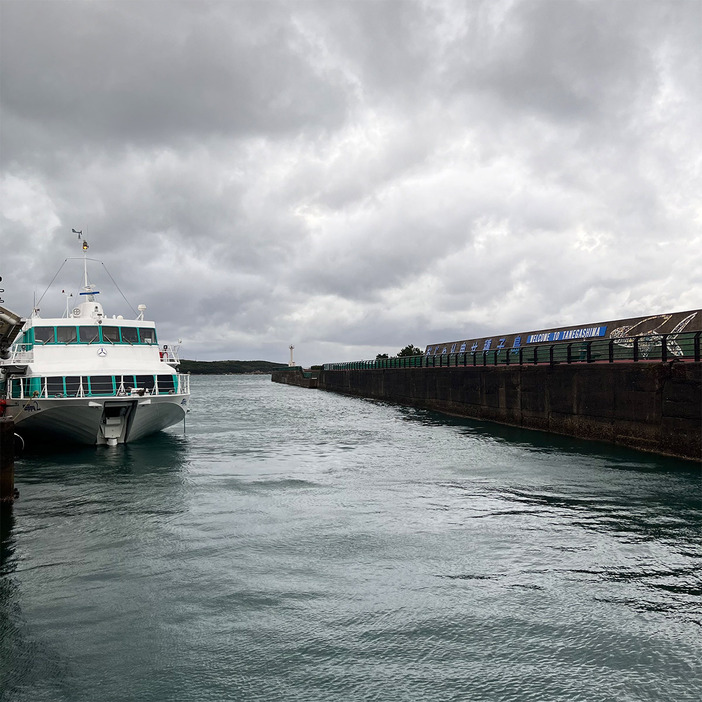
point(292, 363)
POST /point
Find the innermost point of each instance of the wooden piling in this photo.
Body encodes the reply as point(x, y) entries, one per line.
point(7, 460)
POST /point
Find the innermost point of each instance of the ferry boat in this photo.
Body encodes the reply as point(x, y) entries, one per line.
point(91, 379)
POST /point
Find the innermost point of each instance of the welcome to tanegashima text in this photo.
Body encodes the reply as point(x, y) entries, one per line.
point(586, 333)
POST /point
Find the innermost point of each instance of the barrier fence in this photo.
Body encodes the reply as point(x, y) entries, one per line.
point(682, 346)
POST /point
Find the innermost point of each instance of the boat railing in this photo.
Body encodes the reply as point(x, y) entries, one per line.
point(169, 355)
point(37, 387)
point(21, 353)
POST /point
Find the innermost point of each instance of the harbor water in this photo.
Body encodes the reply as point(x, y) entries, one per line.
point(294, 544)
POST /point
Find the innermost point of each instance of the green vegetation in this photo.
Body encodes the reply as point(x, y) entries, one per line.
point(228, 367)
point(411, 350)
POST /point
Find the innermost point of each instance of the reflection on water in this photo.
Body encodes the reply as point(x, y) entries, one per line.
point(67, 482)
point(81, 517)
point(161, 452)
point(299, 545)
point(619, 457)
point(7, 521)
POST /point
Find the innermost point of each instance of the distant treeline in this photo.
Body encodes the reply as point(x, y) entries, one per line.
point(227, 367)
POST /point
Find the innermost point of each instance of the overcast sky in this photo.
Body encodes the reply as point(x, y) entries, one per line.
point(353, 176)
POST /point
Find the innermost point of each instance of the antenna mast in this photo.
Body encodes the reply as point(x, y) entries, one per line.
point(86, 285)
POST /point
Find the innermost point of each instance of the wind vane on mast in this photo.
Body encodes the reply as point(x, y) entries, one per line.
point(88, 288)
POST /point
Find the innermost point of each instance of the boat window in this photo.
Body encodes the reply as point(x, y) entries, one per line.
point(110, 335)
point(73, 385)
point(145, 381)
point(32, 386)
point(148, 336)
point(54, 386)
point(129, 335)
point(21, 387)
point(165, 383)
point(128, 382)
point(44, 335)
point(66, 335)
point(101, 385)
point(89, 335)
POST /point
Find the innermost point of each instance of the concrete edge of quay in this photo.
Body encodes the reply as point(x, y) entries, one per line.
point(652, 407)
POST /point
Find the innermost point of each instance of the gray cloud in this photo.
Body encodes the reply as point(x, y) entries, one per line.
point(353, 177)
point(110, 74)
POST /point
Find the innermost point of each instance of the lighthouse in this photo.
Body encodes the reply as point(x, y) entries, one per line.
point(292, 363)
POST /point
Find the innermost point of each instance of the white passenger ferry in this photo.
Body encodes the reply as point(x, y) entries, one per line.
point(89, 378)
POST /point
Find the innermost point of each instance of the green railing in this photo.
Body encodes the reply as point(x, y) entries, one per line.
point(684, 346)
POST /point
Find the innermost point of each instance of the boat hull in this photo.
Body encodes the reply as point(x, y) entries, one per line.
point(96, 421)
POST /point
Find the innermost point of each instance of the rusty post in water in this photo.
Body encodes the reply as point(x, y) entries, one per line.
point(7, 460)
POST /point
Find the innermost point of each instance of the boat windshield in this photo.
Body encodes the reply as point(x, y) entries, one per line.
point(66, 335)
point(91, 334)
point(88, 335)
point(110, 334)
point(147, 335)
point(44, 335)
point(129, 334)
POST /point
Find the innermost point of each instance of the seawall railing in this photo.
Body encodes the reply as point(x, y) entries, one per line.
point(682, 346)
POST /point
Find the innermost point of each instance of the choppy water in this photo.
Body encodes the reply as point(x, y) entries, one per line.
point(300, 545)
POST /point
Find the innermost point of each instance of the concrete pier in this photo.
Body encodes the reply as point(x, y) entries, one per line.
point(7, 460)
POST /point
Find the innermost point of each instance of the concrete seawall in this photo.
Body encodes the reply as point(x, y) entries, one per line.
point(295, 376)
point(653, 407)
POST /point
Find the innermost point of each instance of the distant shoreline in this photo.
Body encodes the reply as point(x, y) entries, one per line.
point(229, 367)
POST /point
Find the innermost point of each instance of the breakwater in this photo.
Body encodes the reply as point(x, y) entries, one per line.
point(295, 375)
point(653, 407)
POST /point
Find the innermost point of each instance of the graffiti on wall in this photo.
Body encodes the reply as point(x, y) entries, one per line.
point(651, 331)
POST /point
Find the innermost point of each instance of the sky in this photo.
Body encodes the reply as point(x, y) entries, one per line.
point(351, 177)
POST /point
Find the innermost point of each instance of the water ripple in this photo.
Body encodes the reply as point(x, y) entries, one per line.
point(299, 545)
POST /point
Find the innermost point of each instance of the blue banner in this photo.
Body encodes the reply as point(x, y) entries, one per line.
point(571, 334)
